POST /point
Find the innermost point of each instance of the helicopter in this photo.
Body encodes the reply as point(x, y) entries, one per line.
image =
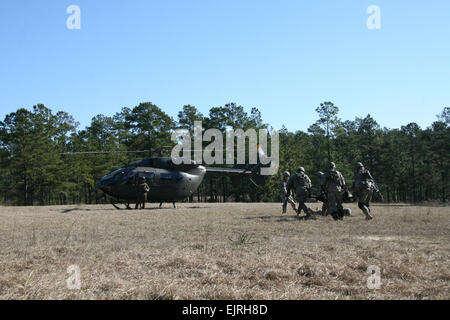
point(169, 182)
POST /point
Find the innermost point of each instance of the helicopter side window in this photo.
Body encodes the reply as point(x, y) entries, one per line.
point(122, 174)
point(119, 176)
point(149, 175)
point(146, 175)
point(113, 174)
point(166, 176)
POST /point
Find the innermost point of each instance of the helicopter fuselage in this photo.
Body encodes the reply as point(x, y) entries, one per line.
point(165, 184)
point(168, 182)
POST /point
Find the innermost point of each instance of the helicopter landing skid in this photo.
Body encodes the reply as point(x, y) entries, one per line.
point(115, 205)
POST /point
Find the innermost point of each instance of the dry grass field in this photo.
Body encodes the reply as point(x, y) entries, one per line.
point(222, 251)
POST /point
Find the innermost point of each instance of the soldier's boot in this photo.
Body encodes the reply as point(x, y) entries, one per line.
point(300, 209)
point(294, 207)
point(341, 213)
point(368, 215)
point(310, 214)
point(365, 210)
point(335, 215)
point(283, 208)
point(306, 210)
point(370, 211)
point(136, 206)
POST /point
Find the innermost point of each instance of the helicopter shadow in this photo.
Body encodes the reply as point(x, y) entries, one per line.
point(75, 209)
point(146, 209)
point(162, 208)
point(278, 218)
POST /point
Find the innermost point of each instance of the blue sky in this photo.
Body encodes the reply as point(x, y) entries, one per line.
point(283, 57)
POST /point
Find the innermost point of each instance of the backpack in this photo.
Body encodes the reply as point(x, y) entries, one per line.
point(333, 177)
point(301, 180)
point(366, 180)
point(365, 176)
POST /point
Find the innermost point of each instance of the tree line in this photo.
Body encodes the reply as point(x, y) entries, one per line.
point(410, 164)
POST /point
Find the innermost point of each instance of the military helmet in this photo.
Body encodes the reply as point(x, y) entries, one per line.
point(359, 165)
point(331, 165)
point(286, 174)
point(301, 169)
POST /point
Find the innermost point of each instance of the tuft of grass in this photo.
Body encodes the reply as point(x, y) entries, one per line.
point(242, 238)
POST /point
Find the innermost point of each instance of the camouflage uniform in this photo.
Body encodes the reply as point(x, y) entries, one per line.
point(142, 189)
point(333, 183)
point(363, 188)
point(323, 196)
point(302, 184)
point(285, 196)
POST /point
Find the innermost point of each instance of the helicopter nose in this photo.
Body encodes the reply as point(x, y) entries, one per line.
point(100, 185)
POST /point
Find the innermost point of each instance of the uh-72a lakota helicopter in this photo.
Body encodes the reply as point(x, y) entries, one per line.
point(169, 182)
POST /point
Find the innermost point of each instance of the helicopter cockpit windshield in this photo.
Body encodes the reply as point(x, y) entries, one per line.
point(116, 176)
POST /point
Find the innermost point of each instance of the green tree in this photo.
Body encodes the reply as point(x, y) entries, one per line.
point(33, 142)
point(328, 120)
point(147, 125)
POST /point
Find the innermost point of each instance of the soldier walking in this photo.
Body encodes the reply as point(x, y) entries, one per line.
point(333, 183)
point(363, 188)
point(285, 196)
point(322, 195)
point(302, 185)
point(142, 189)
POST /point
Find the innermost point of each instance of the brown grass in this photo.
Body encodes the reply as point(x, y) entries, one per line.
point(222, 251)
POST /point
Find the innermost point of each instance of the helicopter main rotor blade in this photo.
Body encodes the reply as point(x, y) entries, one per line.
point(103, 152)
point(216, 171)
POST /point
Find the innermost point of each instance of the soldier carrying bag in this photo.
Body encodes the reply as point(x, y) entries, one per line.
point(301, 181)
point(367, 182)
point(333, 177)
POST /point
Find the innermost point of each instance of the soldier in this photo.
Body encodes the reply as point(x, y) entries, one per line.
point(302, 184)
point(322, 196)
point(333, 183)
point(363, 188)
point(285, 196)
point(142, 189)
